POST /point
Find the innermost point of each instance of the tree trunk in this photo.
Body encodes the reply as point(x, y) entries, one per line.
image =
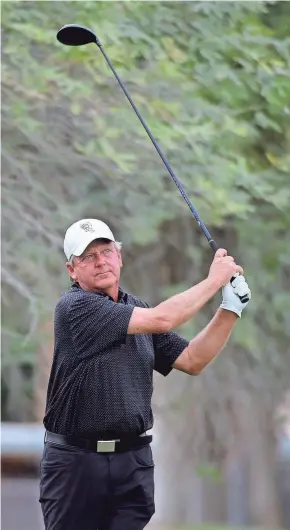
point(42, 371)
point(265, 510)
point(236, 485)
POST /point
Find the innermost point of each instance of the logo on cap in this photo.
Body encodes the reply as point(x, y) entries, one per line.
point(87, 227)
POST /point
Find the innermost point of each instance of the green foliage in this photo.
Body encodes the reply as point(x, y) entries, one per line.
point(212, 81)
point(209, 472)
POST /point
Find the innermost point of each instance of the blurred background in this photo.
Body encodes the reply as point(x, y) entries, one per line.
point(212, 81)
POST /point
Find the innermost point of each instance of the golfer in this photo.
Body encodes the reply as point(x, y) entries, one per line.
point(97, 470)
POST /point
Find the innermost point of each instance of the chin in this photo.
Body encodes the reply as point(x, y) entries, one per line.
point(100, 286)
point(105, 283)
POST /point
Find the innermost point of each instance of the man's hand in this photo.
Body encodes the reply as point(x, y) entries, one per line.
point(231, 295)
point(223, 268)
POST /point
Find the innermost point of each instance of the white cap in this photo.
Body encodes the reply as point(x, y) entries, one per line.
point(80, 234)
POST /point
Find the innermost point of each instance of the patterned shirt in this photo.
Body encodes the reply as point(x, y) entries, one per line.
point(101, 379)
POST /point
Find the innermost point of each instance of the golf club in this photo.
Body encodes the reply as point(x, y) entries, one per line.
point(76, 35)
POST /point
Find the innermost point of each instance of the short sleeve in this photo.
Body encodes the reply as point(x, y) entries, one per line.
point(167, 348)
point(97, 323)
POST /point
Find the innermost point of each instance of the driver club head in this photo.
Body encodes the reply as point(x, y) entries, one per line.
point(75, 35)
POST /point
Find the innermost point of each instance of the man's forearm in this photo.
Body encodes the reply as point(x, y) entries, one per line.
point(181, 307)
point(211, 340)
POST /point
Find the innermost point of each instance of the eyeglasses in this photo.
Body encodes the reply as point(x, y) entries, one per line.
point(93, 256)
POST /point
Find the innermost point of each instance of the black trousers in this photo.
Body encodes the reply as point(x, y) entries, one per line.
point(85, 490)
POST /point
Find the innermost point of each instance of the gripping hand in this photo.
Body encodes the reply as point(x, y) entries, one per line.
point(232, 294)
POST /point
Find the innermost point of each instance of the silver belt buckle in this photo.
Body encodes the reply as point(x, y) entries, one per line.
point(106, 446)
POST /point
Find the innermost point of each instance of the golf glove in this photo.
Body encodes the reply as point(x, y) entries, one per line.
point(231, 295)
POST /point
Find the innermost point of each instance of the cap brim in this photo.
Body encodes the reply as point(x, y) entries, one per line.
point(87, 241)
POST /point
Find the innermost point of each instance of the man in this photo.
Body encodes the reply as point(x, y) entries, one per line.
point(97, 471)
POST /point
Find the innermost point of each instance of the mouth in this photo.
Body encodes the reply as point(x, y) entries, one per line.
point(103, 274)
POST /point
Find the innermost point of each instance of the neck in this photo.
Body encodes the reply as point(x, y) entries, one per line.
point(112, 291)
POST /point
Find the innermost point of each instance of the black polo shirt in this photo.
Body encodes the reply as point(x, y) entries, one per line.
point(101, 380)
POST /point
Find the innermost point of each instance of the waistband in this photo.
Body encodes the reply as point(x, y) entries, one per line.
point(124, 443)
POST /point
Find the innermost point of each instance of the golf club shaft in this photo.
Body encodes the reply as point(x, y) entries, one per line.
point(211, 241)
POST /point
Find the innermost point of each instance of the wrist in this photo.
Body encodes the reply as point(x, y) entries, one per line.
point(230, 312)
point(214, 284)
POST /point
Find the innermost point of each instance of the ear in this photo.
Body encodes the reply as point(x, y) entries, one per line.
point(120, 258)
point(71, 271)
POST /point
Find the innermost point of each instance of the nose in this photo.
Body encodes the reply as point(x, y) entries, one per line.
point(100, 260)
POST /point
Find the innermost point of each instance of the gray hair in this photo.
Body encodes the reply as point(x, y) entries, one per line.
point(118, 245)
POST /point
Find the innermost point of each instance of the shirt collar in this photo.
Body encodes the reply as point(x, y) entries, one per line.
point(122, 296)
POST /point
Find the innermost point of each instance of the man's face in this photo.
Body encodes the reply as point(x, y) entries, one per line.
point(98, 268)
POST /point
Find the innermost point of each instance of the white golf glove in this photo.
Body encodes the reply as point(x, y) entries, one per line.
point(232, 293)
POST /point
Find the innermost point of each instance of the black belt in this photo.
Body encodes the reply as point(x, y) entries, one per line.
point(100, 446)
